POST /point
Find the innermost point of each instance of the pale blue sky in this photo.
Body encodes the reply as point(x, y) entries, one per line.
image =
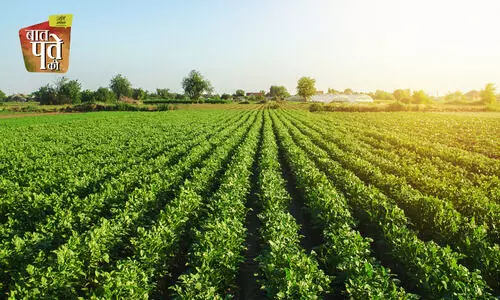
point(439, 45)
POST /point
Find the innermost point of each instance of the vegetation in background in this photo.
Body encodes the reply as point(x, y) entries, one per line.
point(195, 85)
point(198, 89)
point(306, 87)
point(2, 96)
point(63, 91)
point(139, 94)
point(121, 86)
point(239, 93)
point(402, 95)
point(348, 91)
point(278, 92)
point(488, 94)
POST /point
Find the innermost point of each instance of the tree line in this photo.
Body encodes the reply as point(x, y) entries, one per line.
point(306, 88)
point(196, 87)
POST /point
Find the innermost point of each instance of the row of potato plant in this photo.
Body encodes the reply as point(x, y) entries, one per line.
point(435, 219)
point(471, 161)
point(217, 250)
point(16, 253)
point(345, 252)
point(155, 248)
point(470, 201)
point(433, 271)
point(431, 169)
point(74, 263)
point(288, 271)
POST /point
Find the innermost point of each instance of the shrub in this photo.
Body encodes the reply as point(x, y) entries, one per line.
point(316, 107)
point(165, 107)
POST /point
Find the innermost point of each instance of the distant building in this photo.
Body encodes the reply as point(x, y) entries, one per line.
point(17, 98)
point(320, 92)
point(328, 98)
point(473, 95)
point(255, 94)
point(295, 98)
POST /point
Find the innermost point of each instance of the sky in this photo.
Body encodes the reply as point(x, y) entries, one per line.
point(438, 46)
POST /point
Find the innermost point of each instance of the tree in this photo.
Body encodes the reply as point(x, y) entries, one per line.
point(179, 96)
point(139, 94)
point(121, 86)
point(306, 87)
point(63, 91)
point(195, 85)
point(68, 91)
point(239, 93)
point(226, 97)
point(420, 97)
point(88, 96)
point(488, 94)
point(261, 96)
point(333, 91)
point(2, 96)
point(473, 95)
point(457, 96)
point(279, 92)
point(348, 91)
point(383, 95)
point(105, 95)
point(402, 95)
point(163, 93)
point(46, 95)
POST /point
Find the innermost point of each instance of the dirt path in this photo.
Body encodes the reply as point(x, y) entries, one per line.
point(20, 115)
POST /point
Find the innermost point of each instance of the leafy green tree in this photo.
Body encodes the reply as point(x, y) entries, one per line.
point(179, 96)
point(306, 87)
point(402, 94)
point(333, 91)
point(473, 95)
point(139, 94)
point(2, 96)
point(420, 97)
point(239, 93)
point(278, 92)
point(68, 91)
point(195, 85)
point(457, 96)
point(121, 86)
point(88, 96)
point(261, 96)
point(46, 95)
point(105, 95)
point(226, 97)
point(163, 93)
point(488, 95)
point(348, 91)
point(383, 95)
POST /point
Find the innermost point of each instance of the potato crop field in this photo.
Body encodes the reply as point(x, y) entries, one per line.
point(251, 202)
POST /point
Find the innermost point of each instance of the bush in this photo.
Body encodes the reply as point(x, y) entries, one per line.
point(185, 101)
point(30, 108)
point(396, 106)
point(316, 107)
point(244, 102)
point(165, 107)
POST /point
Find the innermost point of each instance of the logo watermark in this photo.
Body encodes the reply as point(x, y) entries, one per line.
point(46, 46)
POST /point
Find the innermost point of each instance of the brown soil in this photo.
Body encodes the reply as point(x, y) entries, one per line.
point(20, 115)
